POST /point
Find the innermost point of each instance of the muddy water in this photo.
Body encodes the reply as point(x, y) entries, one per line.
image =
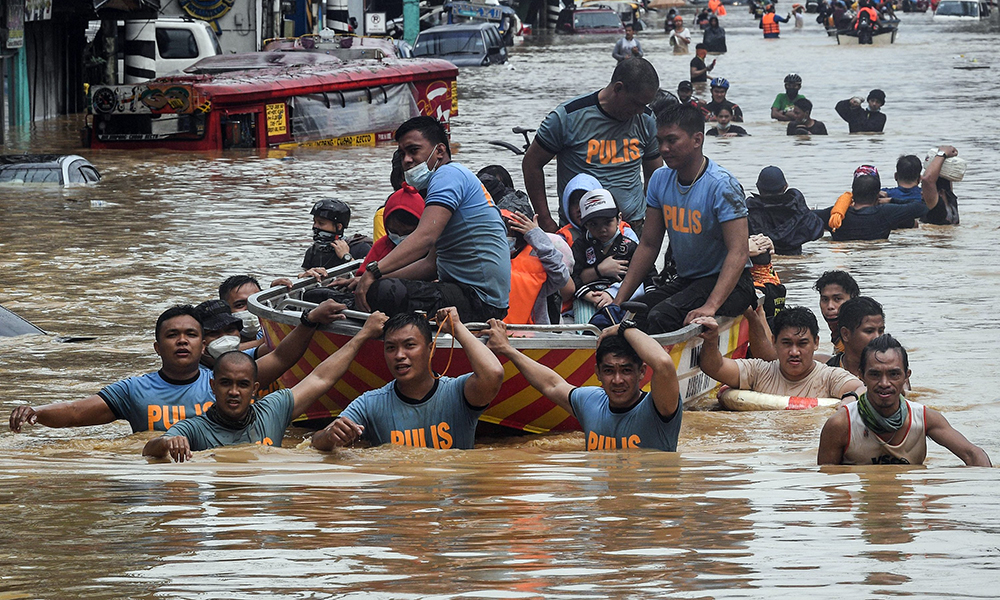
point(740, 512)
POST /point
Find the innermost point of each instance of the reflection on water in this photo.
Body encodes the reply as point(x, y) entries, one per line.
point(740, 513)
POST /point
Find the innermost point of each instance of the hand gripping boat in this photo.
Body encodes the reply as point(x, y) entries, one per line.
point(518, 405)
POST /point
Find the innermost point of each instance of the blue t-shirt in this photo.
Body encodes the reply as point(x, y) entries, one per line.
point(585, 139)
point(472, 249)
point(442, 419)
point(693, 216)
point(640, 426)
point(274, 415)
point(901, 195)
point(151, 403)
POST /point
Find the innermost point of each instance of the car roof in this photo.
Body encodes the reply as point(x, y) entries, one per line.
point(38, 160)
point(460, 27)
point(592, 9)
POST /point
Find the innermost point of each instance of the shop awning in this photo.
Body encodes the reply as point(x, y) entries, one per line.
point(127, 5)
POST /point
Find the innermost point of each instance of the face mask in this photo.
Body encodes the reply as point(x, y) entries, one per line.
point(512, 244)
point(419, 176)
point(220, 346)
point(396, 238)
point(251, 324)
point(324, 237)
point(722, 127)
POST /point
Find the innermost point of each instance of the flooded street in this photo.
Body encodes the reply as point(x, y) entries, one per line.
point(740, 512)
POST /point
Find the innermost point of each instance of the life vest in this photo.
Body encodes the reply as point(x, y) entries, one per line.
point(872, 15)
point(567, 232)
point(527, 276)
point(717, 7)
point(770, 25)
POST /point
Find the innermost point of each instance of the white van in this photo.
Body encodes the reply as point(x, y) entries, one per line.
point(165, 46)
point(961, 9)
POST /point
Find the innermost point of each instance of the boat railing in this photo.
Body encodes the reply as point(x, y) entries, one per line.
point(285, 304)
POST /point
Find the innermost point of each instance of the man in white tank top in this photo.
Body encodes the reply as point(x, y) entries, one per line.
point(883, 427)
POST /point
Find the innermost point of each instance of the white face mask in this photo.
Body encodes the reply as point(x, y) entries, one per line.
point(512, 244)
point(396, 238)
point(419, 176)
point(251, 324)
point(722, 127)
point(219, 346)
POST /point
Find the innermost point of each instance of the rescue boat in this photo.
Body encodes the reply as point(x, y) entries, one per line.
point(567, 349)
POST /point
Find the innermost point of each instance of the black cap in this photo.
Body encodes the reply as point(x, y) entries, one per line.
point(877, 95)
point(215, 316)
point(684, 85)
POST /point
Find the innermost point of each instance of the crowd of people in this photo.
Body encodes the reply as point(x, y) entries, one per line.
point(631, 173)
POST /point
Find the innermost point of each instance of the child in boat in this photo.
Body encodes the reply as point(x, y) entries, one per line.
point(331, 248)
point(602, 256)
point(835, 288)
point(794, 373)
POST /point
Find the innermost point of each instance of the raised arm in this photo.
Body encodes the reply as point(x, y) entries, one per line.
point(645, 254)
point(928, 183)
point(940, 430)
point(735, 234)
point(542, 378)
point(534, 161)
point(664, 386)
point(92, 410)
point(833, 439)
point(487, 372)
point(329, 372)
point(711, 360)
point(290, 350)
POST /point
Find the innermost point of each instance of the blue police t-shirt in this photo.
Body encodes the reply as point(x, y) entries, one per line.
point(152, 403)
point(442, 419)
point(693, 216)
point(274, 415)
point(472, 249)
point(901, 195)
point(640, 426)
point(585, 139)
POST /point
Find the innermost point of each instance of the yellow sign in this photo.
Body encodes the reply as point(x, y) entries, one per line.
point(276, 124)
point(454, 97)
point(361, 139)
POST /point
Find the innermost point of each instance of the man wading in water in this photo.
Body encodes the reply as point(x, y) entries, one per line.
point(881, 426)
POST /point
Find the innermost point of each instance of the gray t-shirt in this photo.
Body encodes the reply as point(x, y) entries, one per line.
point(442, 419)
point(585, 139)
point(274, 415)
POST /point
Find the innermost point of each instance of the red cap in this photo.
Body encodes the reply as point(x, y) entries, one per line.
point(407, 199)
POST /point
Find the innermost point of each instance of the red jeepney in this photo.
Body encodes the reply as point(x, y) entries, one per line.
point(282, 99)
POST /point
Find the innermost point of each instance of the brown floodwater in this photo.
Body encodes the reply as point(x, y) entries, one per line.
point(740, 512)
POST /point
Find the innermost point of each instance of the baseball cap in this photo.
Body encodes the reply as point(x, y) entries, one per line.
point(406, 199)
point(215, 316)
point(597, 203)
point(771, 181)
point(877, 95)
point(684, 85)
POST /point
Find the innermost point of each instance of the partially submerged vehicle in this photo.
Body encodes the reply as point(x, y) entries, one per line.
point(273, 99)
point(47, 169)
point(465, 45)
point(971, 10)
point(630, 13)
point(589, 20)
point(568, 349)
point(505, 18)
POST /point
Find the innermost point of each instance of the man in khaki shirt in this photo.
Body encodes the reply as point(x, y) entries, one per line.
point(795, 373)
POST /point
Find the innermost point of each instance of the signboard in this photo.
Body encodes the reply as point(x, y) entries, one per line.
point(477, 11)
point(208, 10)
point(374, 23)
point(15, 23)
point(276, 122)
point(37, 10)
point(147, 99)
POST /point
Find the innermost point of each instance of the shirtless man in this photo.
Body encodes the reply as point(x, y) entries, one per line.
point(881, 426)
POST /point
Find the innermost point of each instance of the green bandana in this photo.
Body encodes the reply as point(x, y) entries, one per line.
point(876, 422)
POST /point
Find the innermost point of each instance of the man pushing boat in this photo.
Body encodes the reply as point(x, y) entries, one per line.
point(617, 415)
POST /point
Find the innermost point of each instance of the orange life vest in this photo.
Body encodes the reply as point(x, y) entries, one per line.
point(872, 15)
point(770, 25)
point(527, 276)
point(717, 7)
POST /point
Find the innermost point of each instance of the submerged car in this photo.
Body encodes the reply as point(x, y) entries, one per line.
point(961, 9)
point(51, 169)
point(589, 20)
point(463, 45)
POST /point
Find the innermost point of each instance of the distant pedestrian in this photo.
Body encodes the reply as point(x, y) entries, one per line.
point(628, 46)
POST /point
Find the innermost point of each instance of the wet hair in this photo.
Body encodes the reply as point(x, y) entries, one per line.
point(396, 175)
point(884, 343)
point(235, 356)
point(908, 167)
point(662, 101)
point(430, 128)
point(397, 322)
point(803, 105)
point(841, 278)
point(687, 117)
point(615, 345)
point(796, 318)
point(234, 283)
point(700, 47)
point(853, 312)
point(724, 108)
point(175, 311)
point(499, 172)
point(865, 189)
point(637, 75)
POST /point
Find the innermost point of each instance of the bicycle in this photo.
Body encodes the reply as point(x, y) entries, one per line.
point(518, 151)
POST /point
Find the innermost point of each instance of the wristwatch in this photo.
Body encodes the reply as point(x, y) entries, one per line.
point(304, 319)
point(844, 397)
point(625, 325)
point(347, 257)
point(940, 153)
point(372, 268)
